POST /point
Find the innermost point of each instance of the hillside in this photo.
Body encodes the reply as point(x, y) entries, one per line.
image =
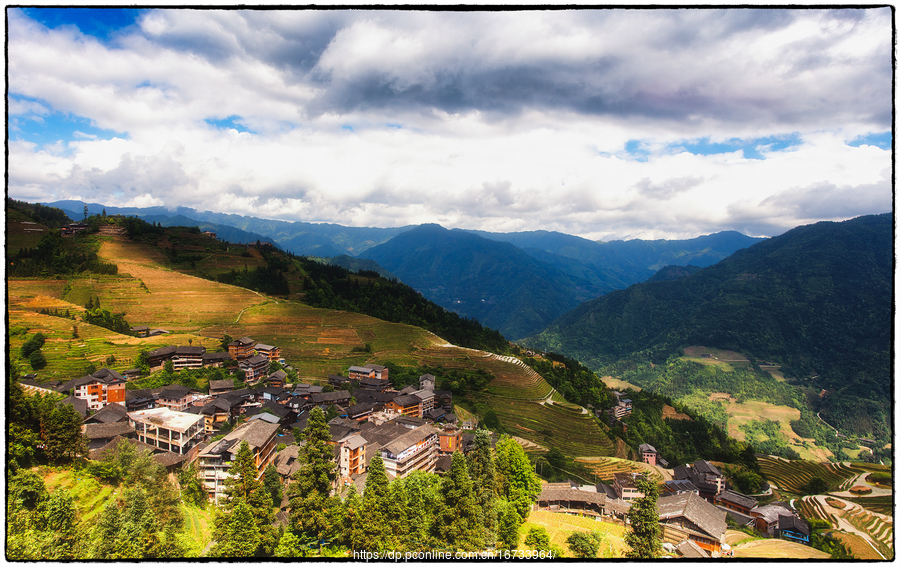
point(150, 289)
point(494, 282)
point(815, 300)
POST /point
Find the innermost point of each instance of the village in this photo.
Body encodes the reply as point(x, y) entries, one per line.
point(411, 429)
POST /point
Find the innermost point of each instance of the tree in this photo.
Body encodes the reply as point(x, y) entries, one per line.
point(816, 485)
point(192, 489)
point(223, 344)
point(644, 537)
point(169, 367)
point(60, 518)
point(272, 484)
point(61, 433)
point(537, 538)
point(243, 486)
point(508, 528)
point(584, 545)
point(313, 508)
point(482, 471)
point(376, 534)
point(236, 534)
point(516, 479)
point(458, 522)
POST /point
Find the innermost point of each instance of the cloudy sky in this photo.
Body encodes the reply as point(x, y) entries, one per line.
point(600, 123)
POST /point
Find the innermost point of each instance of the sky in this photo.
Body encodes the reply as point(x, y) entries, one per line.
point(602, 123)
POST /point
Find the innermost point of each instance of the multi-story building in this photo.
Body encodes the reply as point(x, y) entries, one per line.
point(426, 401)
point(254, 367)
point(381, 372)
point(405, 405)
point(241, 348)
point(188, 357)
point(626, 487)
point(214, 461)
point(173, 431)
point(360, 372)
point(272, 352)
point(415, 450)
point(177, 397)
point(353, 456)
point(103, 387)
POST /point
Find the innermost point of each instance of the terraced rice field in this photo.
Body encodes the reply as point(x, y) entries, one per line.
point(879, 504)
point(790, 476)
point(777, 549)
point(858, 547)
point(572, 433)
point(605, 467)
point(813, 509)
point(879, 529)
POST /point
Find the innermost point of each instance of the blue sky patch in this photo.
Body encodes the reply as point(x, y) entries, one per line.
point(232, 121)
point(56, 126)
point(347, 127)
point(637, 151)
point(753, 147)
point(881, 140)
point(101, 23)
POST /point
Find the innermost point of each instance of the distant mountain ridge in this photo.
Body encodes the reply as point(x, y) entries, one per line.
point(561, 270)
point(816, 299)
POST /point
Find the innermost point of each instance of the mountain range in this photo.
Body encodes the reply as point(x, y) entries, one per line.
point(516, 283)
point(816, 300)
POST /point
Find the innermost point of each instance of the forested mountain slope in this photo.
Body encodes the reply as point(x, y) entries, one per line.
point(494, 282)
point(816, 300)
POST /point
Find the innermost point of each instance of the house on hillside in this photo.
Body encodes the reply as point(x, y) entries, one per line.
point(736, 501)
point(687, 516)
point(269, 351)
point(360, 372)
point(217, 387)
point(648, 453)
point(188, 357)
point(705, 476)
point(177, 397)
point(254, 367)
point(793, 529)
point(103, 387)
point(174, 431)
point(140, 330)
point(415, 450)
point(156, 358)
point(215, 359)
point(405, 405)
point(426, 382)
point(110, 413)
point(766, 517)
point(241, 348)
point(625, 485)
point(98, 435)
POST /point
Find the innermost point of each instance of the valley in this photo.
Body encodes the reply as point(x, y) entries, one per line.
point(558, 410)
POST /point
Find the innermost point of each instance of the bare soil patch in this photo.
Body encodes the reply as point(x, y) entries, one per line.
point(777, 549)
point(671, 413)
point(617, 384)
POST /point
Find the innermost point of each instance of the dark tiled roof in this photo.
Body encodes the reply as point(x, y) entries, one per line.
point(571, 495)
point(216, 356)
point(109, 449)
point(406, 401)
point(162, 351)
point(792, 523)
point(694, 508)
point(168, 458)
point(175, 392)
point(243, 341)
point(691, 550)
point(78, 404)
point(107, 430)
point(706, 467)
point(110, 413)
point(410, 438)
point(738, 498)
point(190, 350)
point(221, 384)
point(330, 397)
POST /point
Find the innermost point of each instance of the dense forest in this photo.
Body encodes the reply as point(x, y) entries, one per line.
point(815, 300)
point(333, 287)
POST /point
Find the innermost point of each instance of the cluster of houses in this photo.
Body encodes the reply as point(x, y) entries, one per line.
point(411, 429)
point(692, 508)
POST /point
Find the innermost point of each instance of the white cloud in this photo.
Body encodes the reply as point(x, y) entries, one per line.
point(495, 121)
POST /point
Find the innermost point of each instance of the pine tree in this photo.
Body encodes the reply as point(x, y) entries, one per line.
point(376, 494)
point(313, 509)
point(236, 533)
point(644, 537)
point(458, 522)
point(482, 471)
point(272, 484)
point(538, 538)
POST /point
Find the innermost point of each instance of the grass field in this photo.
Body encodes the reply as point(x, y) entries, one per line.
point(727, 360)
point(560, 526)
